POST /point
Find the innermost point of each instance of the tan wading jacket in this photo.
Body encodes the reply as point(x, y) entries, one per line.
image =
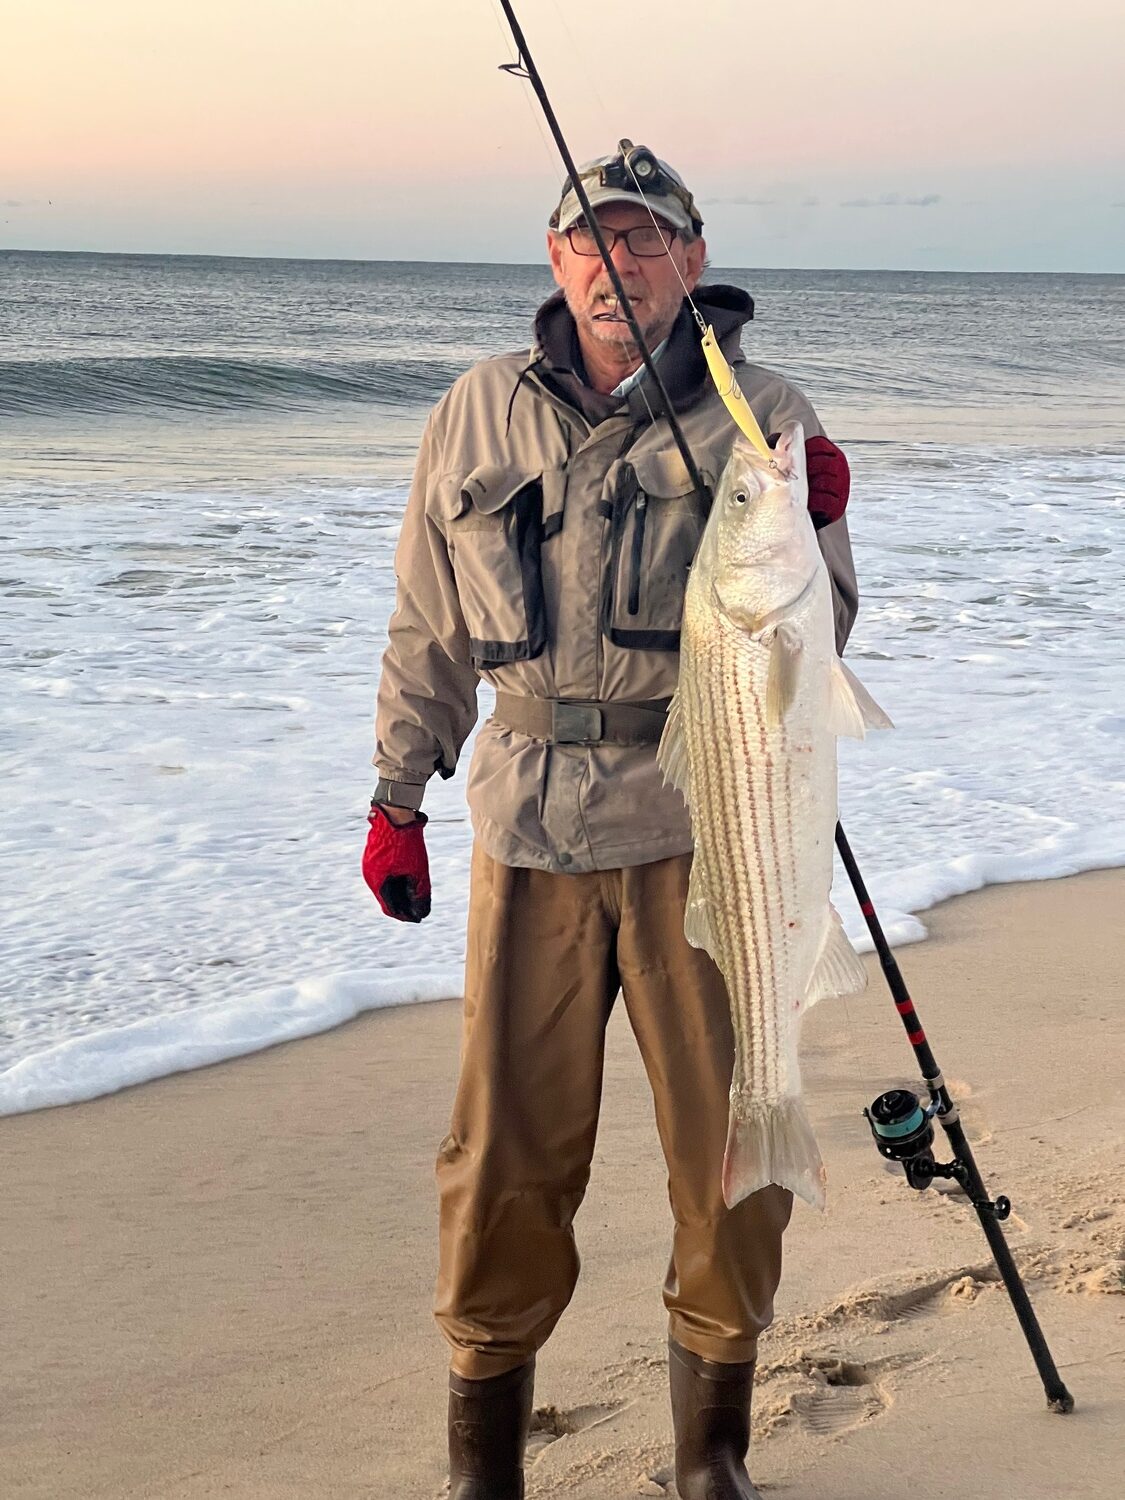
point(545, 548)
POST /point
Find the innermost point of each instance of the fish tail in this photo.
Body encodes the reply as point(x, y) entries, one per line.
point(773, 1143)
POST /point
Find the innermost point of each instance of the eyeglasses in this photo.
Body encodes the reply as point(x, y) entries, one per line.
point(643, 240)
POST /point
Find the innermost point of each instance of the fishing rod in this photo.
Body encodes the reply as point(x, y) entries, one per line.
point(903, 1130)
point(901, 1125)
point(525, 68)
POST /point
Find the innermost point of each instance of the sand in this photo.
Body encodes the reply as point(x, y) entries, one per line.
point(219, 1284)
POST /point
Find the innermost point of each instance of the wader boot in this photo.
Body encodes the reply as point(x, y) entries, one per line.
point(488, 1426)
point(711, 1420)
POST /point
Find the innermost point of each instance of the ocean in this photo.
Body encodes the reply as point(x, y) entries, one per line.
point(203, 464)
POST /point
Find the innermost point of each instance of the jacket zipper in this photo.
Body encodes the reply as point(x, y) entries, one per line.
point(641, 508)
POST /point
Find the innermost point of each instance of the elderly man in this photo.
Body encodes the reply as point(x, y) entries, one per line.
point(545, 548)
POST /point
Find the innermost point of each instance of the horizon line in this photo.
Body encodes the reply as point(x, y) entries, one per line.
point(355, 260)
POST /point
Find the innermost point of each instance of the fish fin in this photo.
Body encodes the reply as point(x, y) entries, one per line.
point(698, 928)
point(838, 969)
point(781, 683)
point(672, 754)
point(773, 1143)
point(852, 710)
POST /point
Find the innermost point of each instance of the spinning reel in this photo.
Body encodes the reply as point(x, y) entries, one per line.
point(903, 1130)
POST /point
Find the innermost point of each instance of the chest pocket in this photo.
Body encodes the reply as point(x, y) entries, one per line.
point(657, 521)
point(496, 521)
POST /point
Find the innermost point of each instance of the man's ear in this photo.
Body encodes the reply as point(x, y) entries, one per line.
point(556, 244)
point(695, 255)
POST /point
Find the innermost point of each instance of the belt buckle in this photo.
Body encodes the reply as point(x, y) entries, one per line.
point(576, 724)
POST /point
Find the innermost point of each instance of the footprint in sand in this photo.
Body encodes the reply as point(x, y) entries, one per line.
point(918, 1300)
point(549, 1423)
point(905, 1297)
point(824, 1393)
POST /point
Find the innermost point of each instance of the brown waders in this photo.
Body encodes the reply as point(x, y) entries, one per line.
point(547, 956)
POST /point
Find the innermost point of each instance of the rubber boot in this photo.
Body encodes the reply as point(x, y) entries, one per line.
point(488, 1426)
point(711, 1421)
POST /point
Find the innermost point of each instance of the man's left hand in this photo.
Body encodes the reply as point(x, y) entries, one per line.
point(830, 481)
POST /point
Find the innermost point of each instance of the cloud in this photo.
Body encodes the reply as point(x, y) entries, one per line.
point(19, 203)
point(786, 200)
point(892, 200)
point(746, 202)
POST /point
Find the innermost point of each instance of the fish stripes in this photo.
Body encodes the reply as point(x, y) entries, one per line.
point(762, 795)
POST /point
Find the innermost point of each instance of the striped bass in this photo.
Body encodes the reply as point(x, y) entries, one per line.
point(751, 743)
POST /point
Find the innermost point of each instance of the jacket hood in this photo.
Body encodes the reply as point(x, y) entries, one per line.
point(557, 356)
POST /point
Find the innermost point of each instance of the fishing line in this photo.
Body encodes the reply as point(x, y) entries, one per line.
point(854, 1055)
point(526, 69)
point(722, 375)
point(583, 65)
point(721, 372)
point(902, 1126)
point(587, 77)
point(514, 69)
point(696, 314)
point(628, 162)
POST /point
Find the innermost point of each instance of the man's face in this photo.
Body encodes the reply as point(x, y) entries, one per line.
point(651, 283)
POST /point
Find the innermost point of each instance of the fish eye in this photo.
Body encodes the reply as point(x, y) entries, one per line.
point(740, 497)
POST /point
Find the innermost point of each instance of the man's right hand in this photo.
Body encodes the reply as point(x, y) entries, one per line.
point(395, 864)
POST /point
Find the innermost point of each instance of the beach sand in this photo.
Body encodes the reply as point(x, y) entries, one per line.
point(219, 1284)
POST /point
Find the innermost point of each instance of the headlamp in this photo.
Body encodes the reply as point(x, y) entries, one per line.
point(636, 169)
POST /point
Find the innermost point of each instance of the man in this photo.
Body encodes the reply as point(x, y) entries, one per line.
point(545, 548)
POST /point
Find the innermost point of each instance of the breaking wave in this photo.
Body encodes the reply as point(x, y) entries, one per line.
point(49, 387)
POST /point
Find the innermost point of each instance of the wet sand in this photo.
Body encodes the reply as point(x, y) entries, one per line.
point(219, 1284)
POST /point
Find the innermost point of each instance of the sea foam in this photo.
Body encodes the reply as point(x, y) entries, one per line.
point(103, 1061)
point(188, 731)
point(205, 474)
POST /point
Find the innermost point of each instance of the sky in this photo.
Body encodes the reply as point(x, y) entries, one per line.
point(968, 135)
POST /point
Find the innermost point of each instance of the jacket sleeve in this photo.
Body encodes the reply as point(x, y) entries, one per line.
point(836, 549)
point(427, 700)
point(776, 402)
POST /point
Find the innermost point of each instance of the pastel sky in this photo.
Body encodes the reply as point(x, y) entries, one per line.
point(970, 134)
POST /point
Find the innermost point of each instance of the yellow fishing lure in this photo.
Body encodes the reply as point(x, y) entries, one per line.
point(731, 393)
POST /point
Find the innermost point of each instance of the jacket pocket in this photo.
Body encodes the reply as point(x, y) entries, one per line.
point(494, 525)
point(657, 519)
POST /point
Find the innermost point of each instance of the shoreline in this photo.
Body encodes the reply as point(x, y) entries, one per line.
point(219, 1282)
point(226, 1030)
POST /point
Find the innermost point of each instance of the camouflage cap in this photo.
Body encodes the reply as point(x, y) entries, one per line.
point(631, 175)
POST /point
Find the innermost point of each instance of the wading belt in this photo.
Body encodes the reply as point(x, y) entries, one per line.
point(561, 721)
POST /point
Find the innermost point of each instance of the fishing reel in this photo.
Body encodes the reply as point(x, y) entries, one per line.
point(904, 1133)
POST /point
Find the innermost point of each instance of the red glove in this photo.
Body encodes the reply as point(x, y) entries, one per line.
point(396, 868)
point(830, 481)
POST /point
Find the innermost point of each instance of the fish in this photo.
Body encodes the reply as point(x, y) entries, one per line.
point(750, 741)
